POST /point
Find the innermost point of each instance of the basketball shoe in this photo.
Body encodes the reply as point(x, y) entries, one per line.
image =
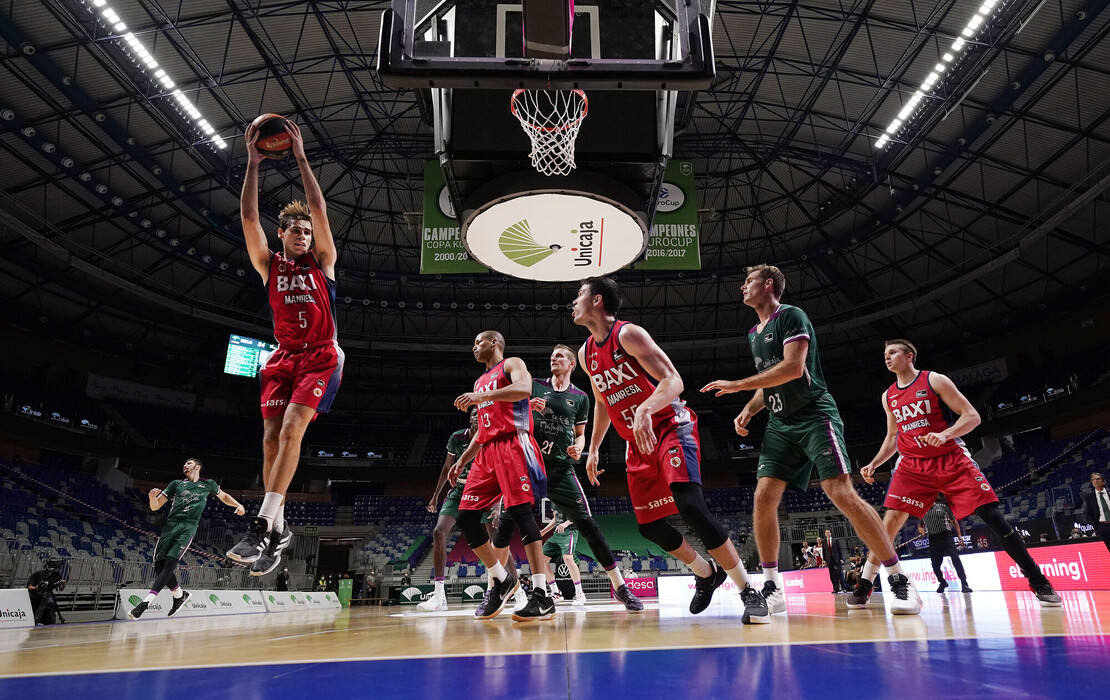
point(434, 604)
point(271, 556)
point(776, 600)
point(540, 607)
point(626, 596)
point(861, 594)
point(252, 545)
point(496, 596)
point(138, 610)
point(178, 602)
point(704, 588)
point(1047, 595)
point(755, 607)
point(906, 599)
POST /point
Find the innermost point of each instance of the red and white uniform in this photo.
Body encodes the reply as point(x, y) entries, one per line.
point(922, 470)
point(307, 367)
point(623, 385)
point(509, 465)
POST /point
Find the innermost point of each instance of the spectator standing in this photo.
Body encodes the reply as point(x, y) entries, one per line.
point(1096, 504)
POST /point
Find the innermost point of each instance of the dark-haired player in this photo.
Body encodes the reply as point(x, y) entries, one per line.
point(507, 466)
point(300, 379)
point(186, 498)
point(638, 390)
point(803, 432)
point(932, 459)
point(560, 413)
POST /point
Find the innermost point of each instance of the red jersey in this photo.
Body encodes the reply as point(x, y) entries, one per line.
point(302, 302)
point(497, 418)
point(917, 411)
point(624, 385)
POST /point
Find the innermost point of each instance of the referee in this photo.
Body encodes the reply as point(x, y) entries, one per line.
point(939, 523)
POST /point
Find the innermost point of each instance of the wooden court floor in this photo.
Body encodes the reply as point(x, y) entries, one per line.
point(963, 645)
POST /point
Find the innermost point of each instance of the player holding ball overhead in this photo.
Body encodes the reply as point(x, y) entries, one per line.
point(300, 379)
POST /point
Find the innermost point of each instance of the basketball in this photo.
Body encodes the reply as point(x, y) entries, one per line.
point(273, 141)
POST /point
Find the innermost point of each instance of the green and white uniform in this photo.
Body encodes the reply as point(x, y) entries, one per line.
point(560, 543)
point(554, 432)
point(456, 445)
point(805, 429)
point(187, 500)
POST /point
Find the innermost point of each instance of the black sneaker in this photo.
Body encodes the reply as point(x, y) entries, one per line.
point(540, 607)
point(776, 600)
point(138, 610)
point(252, 545)
point(271, 556)
point(631, 602)
point(178, 602)
point(964, 588)
point(282, 539)
point(861, 594)
point(496, 596)
point(704, 587)
point(1047, 595)
point(941, 588)
point(756, 611)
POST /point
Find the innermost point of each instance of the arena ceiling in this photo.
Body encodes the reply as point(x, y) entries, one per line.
point(121, 222)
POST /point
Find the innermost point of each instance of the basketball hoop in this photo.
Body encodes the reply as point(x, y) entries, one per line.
point(551, 120)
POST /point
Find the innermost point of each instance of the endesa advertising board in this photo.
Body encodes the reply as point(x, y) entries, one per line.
point(643, 587)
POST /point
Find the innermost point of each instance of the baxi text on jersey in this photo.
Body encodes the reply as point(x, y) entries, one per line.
point(293, 283)
point(609, 378)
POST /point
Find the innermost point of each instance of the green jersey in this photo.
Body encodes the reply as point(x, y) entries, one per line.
point(554, 426)
point(789, 324)
point(456, 445)
point(187, 499)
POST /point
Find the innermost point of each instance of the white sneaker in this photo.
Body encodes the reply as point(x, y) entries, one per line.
point(776, 599)
point(520, 600)
point(579, 600)
point(433, 604)
point(906, 600)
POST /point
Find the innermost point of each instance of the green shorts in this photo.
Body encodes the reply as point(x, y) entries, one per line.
point(814, 436)
point(450, 507)
point(175, 539)
point(560, 543)
point(565, 492)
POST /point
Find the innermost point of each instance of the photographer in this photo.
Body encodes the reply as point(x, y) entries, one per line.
point(41, 586)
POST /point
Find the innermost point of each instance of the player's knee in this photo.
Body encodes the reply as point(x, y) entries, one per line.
point(526, 522)
point(662, 533)
point(439, 534)
point(691, 505)
point(504, 534)
point(992, 515)
point(470, 523)
point(767, 495)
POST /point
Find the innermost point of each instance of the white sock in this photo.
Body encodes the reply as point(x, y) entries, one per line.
point(700, 567)
point(869, 571)
point(578, 592)
point(539, 581)
point(270, 504)
point(150, 597)
point(497, 572)
point(772, 574)
point(739, 576)
point(177, 592)
point(615, 577)
point(440, 593)
point(896, 569)
point(279, 519)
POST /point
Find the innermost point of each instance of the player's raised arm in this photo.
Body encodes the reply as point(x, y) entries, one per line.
point(157, 498)
point(325, 250)
point(253, 234)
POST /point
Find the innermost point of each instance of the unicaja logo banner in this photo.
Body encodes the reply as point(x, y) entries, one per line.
point(519, 245)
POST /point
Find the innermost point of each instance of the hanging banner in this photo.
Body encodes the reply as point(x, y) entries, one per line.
point(673, 241)
point(441, 248)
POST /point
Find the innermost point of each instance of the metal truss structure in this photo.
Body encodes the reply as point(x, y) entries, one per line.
point(985, 209)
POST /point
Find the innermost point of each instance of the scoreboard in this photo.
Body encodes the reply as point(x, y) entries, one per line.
point(245, 355)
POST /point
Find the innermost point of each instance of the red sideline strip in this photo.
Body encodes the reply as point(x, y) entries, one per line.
point(117, 519)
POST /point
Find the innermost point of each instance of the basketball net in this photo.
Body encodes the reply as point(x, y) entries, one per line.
point(551, 120)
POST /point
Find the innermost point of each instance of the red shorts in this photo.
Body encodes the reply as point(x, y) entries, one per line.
point(916, 481)
point(677, 458)
point(508, 466)
point(310, 378)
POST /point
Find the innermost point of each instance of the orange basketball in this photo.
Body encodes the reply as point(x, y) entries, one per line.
point(273, 141)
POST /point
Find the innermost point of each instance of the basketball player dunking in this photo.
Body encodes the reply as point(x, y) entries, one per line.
point(301, 377)
point(933, 460)
point(507, 465)
point(803, 432)
point(638, 390)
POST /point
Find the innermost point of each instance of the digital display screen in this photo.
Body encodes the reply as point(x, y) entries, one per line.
point(245, 355)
